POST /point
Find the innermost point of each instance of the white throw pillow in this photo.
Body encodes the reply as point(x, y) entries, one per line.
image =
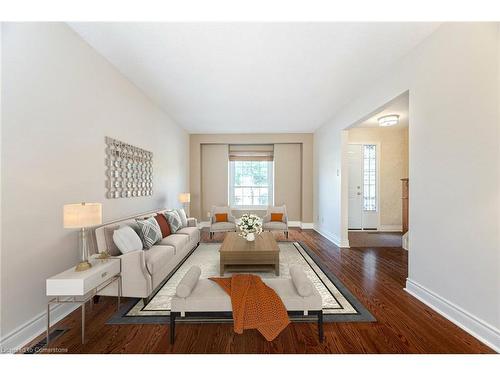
point(183, 216)
point(127, 240)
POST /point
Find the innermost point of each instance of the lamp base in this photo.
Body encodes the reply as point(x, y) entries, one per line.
point(83, 266)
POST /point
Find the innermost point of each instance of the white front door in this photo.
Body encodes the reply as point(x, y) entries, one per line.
point(363, 186)
point(355, 161)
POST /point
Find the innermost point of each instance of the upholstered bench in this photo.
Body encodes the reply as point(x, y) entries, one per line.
point(197, 297)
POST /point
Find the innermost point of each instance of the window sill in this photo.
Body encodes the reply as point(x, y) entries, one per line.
point(250, 208)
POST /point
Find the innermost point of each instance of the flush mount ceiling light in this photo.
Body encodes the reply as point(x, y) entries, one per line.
point(388, 120)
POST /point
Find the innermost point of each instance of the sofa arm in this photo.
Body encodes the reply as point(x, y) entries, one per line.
point(192, 222)
point(266, 218)
point(136, 280)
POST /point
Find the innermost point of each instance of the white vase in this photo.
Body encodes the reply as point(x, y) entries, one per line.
point(250, 237)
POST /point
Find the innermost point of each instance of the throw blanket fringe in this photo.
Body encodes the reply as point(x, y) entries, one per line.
point(255, 305)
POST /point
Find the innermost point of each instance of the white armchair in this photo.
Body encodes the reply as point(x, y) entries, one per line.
point(268, 224)
point(222, 226)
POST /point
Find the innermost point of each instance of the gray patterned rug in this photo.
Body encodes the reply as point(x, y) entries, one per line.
point(339, 305)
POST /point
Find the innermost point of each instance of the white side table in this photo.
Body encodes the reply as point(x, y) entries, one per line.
point(79, 287)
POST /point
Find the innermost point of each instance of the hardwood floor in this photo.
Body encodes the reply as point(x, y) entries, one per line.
point(375, 275)
point(375, 239)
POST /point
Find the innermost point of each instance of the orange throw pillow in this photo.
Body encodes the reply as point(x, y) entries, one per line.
point(163, 223)
point(276, 217)
point(219, 218)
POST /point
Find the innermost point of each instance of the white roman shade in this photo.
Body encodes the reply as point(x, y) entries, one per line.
point(251, 152)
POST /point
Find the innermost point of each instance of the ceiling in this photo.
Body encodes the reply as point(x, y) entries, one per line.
point(252, 77)
point(398, 106)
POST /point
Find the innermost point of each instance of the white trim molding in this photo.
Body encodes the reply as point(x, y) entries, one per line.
point(21, 336)
point(478, 328)
point(307, 225)
point(331, 237)
point(390, 228)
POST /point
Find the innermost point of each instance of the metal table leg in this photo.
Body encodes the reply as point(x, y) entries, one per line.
point(119, 292)
point(83, 323)
point(48, 322)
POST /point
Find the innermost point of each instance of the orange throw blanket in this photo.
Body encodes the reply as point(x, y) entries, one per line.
point(255, 305)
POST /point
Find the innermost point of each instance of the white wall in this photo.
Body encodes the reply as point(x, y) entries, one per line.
point(60, 99)
point(454, 171)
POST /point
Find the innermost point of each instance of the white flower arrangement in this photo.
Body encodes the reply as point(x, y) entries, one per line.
point(250, 223)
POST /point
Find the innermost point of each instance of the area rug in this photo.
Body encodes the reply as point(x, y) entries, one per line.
point(339, 304)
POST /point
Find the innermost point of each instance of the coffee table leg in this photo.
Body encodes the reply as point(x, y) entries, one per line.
point(221, 266)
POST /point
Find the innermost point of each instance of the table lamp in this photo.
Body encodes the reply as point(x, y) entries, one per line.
point(82, 216)
point(185, 198)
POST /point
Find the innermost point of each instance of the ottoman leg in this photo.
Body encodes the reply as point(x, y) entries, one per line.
point(320, 325)
point(172, 327)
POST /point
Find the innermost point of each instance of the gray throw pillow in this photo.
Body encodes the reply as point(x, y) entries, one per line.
point(183, 216)
point(174, 220)
point(150, 232)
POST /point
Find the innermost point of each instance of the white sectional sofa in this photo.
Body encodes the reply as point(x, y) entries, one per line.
point(144, 270)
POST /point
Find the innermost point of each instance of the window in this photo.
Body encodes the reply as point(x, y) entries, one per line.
point(250, 183)
point(369, 178)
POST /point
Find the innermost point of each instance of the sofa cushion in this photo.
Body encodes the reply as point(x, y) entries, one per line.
point(206, 296)
point(274, 225)
point(222, 226)
point(174, 220)
point(126, 239)
point(292, 300)
point(192, 232)
point(178, 241)
point(163, 224)
point(150, 230)
point(158, 257)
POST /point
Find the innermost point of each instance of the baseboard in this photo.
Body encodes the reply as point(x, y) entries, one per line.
point(481, 330)
point(332, 237)
point(21, 336)
point(390, 228)
point(307, 225)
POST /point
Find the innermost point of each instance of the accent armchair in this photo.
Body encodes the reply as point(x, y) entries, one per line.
point(221, 226)
point(270, 225)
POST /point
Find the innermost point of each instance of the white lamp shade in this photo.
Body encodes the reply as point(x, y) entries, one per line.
point(184, 197)
point(82, 215)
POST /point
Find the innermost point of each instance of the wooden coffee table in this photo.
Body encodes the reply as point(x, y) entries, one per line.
point(240, 255)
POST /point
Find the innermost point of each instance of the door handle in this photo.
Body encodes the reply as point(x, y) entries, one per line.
point(358, 193)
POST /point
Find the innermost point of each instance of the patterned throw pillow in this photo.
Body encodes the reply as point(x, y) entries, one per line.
point(174, 220)
point(183, 216)
point(151, 232)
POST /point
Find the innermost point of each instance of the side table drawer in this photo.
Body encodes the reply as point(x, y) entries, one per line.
point(111, 269)
point(72, 283)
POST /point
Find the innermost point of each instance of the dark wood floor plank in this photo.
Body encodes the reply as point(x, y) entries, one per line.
point(376, 276)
